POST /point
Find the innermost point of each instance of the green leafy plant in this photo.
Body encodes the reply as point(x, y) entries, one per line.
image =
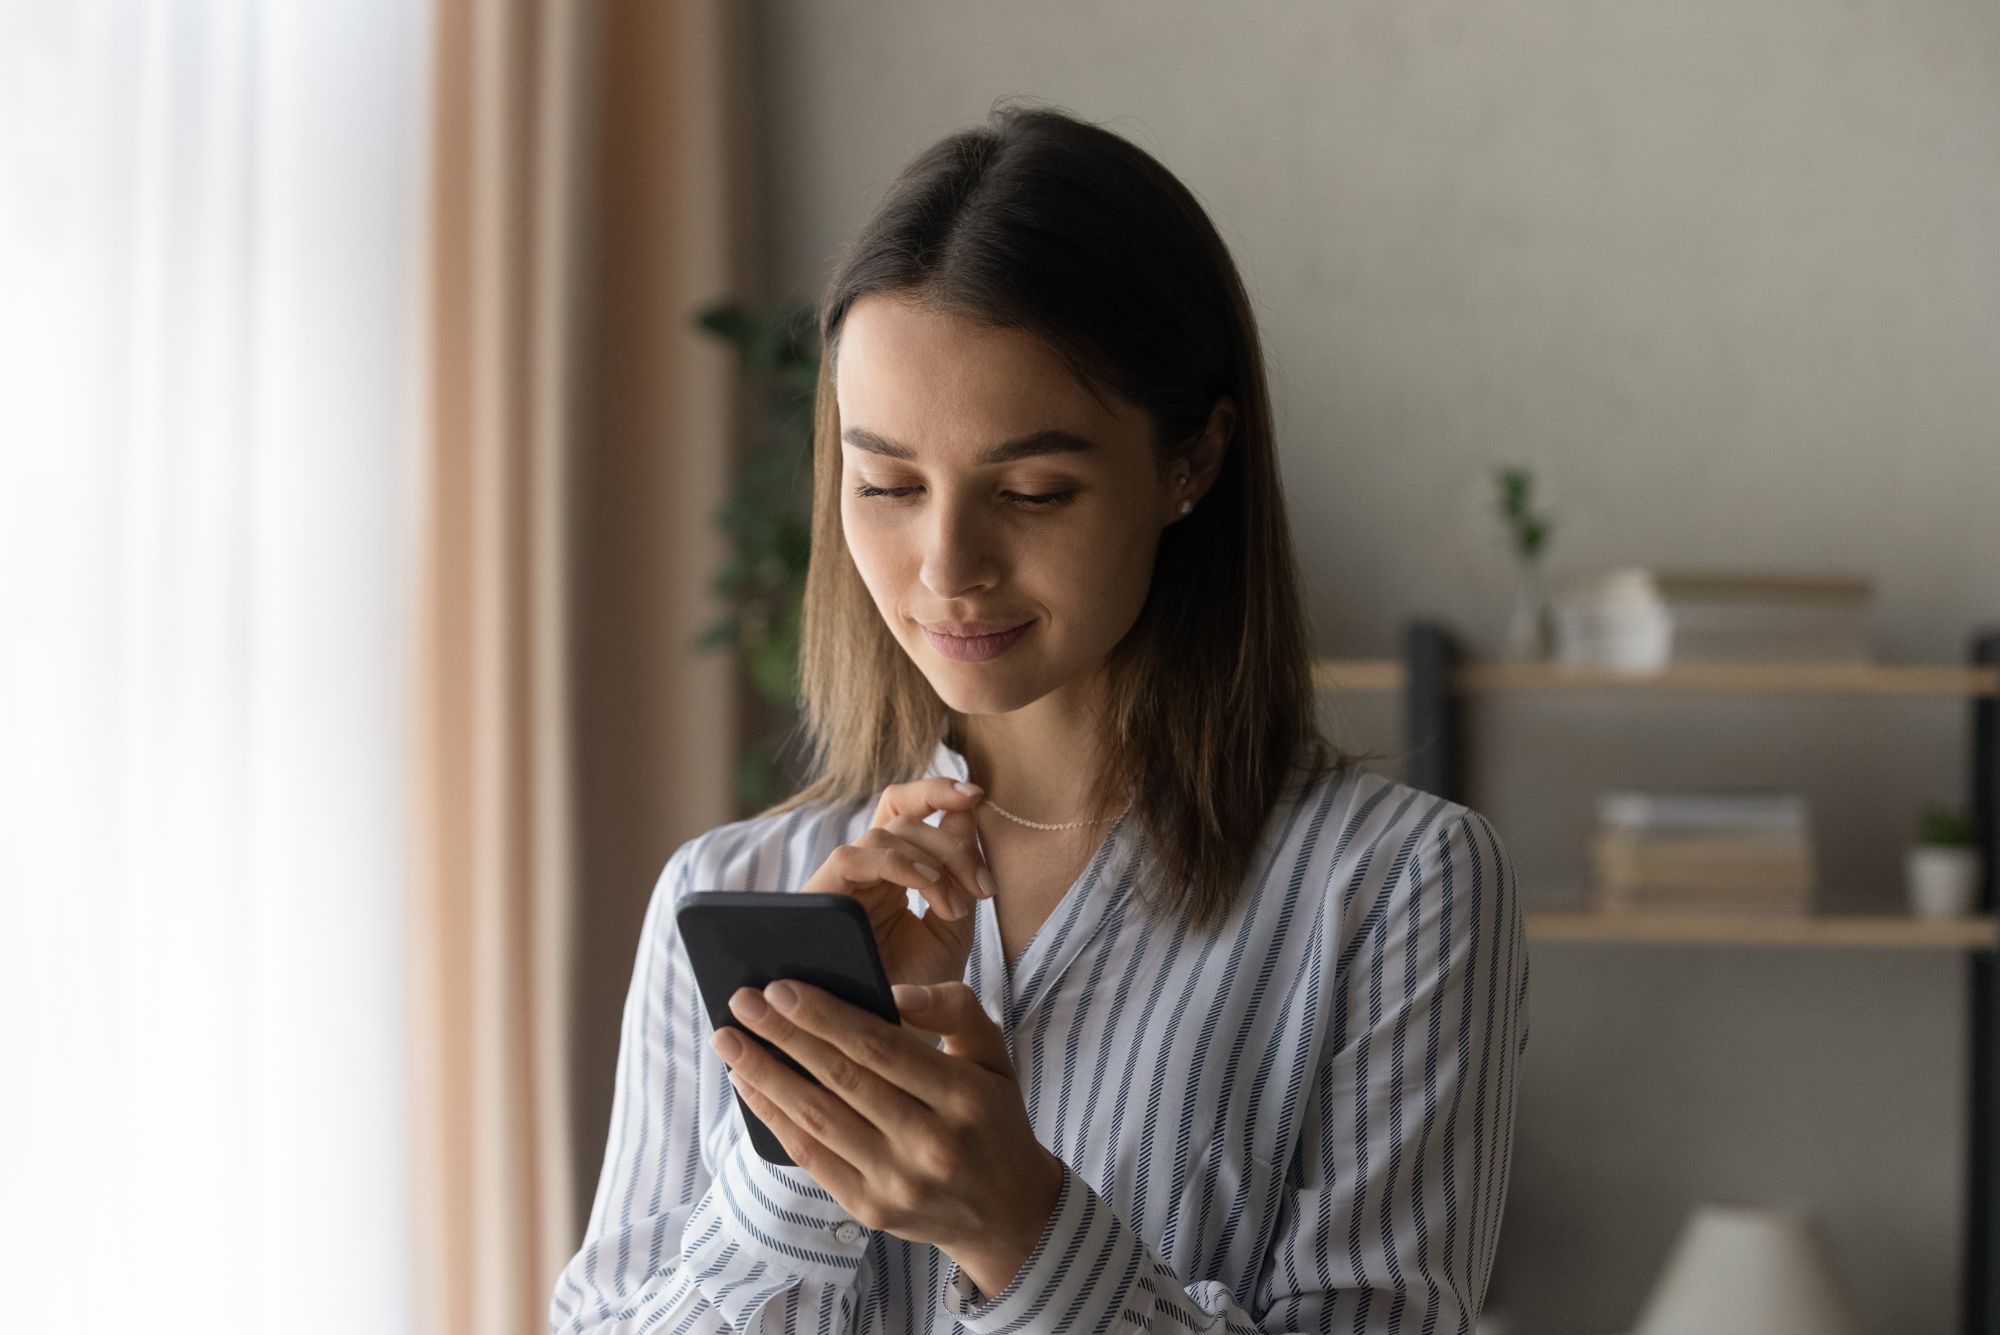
point(1530, 532)
point(1944, 825)
point(768, 521)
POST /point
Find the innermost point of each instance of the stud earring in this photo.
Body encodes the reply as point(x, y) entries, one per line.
point(1185, 505)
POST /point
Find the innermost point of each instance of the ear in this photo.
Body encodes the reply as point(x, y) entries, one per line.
point(1204, 460)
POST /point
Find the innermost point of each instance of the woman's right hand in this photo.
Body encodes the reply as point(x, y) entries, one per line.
point(877, 868)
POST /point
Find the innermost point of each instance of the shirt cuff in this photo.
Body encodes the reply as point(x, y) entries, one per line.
point(784, 1217)
point(1084, 1257)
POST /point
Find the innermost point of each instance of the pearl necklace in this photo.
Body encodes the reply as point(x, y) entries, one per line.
point(1042, 825)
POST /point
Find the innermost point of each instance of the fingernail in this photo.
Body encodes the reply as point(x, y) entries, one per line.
point(914, 999)
point(927, 871)
point(969, 789)
point(985, 883)
point(727, 1045)
point(748, 1003)
point(782, 995)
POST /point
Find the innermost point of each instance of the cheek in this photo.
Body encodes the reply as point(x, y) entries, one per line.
point(874, 553)
point(1117, 569)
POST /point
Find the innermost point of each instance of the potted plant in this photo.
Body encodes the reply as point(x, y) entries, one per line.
point(1943, 865)
point(1530, 632)
point(768, 520)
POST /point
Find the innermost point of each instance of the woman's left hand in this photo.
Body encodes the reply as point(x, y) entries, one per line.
point(931, 1144)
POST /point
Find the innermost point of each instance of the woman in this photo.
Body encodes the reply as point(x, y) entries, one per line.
point(1205, 1025)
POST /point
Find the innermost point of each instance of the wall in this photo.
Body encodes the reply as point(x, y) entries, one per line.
point(1726, 275)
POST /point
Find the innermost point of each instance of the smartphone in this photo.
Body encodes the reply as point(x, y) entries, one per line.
point(747, 939)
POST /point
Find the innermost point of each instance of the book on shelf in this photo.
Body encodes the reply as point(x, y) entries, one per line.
point(1705, 811)
point(1741, 850)
point(1729, 617)
point(1698, 860)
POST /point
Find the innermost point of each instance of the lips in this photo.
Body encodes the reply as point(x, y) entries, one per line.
point(976, 648)
point(968, 630)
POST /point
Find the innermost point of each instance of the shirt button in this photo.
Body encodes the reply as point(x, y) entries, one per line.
point(847, 1231)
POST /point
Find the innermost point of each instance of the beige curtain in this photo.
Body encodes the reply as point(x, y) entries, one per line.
point(590, 182)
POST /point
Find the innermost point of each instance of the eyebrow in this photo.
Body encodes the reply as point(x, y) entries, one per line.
point(1051, 441)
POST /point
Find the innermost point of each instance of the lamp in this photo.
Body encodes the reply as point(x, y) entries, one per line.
point(1748, 1270)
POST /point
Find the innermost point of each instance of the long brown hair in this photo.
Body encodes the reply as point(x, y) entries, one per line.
point(1041, 222)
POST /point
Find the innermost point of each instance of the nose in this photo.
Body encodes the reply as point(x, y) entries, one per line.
point(959, 555)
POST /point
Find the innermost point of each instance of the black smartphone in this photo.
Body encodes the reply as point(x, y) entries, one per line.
point(738, 939)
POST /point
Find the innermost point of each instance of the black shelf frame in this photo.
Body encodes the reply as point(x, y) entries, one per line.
point(1433, 712)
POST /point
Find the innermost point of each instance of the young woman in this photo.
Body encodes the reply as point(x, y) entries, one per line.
point(1206, 1025)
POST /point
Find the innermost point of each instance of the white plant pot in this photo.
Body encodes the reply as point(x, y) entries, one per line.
point(1943, 880)
point(1612, 619)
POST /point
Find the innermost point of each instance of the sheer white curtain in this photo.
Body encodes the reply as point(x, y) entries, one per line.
point(211, 320)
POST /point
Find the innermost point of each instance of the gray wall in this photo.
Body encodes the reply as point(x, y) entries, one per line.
point(1727, 275)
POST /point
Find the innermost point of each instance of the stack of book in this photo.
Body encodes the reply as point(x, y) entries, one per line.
point(1725, 851)
point(1720, 617)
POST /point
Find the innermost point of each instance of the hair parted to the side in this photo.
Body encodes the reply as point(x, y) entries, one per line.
point(1044, 223)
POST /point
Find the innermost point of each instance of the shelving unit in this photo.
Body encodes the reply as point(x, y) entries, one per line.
point(1437, 686)
point(1436, 738)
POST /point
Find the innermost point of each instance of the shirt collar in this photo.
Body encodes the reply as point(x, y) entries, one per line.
point(946, 760)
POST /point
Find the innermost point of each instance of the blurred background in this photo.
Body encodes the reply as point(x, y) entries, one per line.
point(402, 476)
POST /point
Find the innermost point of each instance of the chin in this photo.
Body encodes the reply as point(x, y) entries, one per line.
point(977, 688)
point(972, 699)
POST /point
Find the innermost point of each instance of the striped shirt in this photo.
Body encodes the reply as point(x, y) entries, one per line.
point(1300, 1122)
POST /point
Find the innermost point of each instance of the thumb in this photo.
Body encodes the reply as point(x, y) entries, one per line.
point(953, 1010)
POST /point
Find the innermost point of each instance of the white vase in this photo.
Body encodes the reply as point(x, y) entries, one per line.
point(1530, 634)
point(1943, 880)
point(1612, 618)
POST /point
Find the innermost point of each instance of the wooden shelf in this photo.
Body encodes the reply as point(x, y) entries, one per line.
point(1884, 931)
point(1358, 674)
point(1368, 674)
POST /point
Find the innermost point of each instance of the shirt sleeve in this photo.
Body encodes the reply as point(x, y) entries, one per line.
point(691, 1229)
point(1394, 1196)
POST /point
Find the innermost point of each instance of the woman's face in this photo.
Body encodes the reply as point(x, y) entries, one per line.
point(1013, 499)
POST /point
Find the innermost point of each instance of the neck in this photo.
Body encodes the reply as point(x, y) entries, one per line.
point(1038, 763)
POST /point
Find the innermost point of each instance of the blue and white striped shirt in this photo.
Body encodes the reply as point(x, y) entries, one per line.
point(1301, 1122)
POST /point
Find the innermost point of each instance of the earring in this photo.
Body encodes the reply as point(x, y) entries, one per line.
point(1185, 505)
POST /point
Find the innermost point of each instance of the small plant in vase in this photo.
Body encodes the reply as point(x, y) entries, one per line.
point(1530, 633)
point(1943, 865)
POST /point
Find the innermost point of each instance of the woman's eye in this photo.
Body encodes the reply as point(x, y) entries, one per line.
point(1045, 500)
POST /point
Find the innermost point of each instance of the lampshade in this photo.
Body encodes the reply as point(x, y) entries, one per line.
point(1748, 1270)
